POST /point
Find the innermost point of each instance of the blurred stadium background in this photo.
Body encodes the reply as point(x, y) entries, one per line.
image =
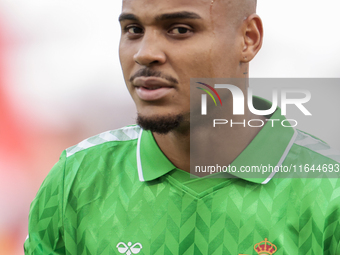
point(61, 82)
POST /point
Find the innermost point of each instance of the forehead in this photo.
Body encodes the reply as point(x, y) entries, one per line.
point(207, 9)
point(162, 5)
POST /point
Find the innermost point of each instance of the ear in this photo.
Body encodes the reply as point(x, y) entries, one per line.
point(252, 37)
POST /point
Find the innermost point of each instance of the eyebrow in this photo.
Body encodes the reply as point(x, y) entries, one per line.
point(127, 16)
point(162, 17)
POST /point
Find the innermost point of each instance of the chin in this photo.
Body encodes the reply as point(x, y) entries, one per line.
point(161, 124)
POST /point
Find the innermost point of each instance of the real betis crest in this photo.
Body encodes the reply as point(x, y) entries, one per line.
point(264, 248)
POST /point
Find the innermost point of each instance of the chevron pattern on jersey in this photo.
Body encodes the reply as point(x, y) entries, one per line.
point(167, 220)
point(45, 219)
point(92, 200)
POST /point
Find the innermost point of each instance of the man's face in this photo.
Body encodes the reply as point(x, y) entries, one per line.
point(165, 43)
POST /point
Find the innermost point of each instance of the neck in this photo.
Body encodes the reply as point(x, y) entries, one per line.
point(176, 147)
point(228, 142)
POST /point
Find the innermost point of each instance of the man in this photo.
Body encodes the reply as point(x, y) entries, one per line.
point(129, 191)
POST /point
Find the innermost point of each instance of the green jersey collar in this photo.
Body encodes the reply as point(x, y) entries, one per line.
point(269, 148)
point(151, 161)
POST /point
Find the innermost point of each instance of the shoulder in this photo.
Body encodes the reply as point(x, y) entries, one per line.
point(127, 134)
point(309, 157)
point(109, 153)
point(316, 148)
point(101, 158)
point(310, 148)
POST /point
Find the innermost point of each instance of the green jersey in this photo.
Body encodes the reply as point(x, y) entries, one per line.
point(117, 193)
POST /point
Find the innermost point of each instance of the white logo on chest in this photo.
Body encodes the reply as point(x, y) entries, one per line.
point(129, 248)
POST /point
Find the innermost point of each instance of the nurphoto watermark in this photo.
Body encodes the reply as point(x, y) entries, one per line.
point(269, 113)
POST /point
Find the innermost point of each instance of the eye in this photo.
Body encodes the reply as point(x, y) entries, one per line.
point(180, 31)
point(134, 30)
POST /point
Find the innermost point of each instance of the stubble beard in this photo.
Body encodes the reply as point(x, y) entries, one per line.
point(160, 124)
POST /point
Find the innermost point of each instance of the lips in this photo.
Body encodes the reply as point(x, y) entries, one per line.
point(152, 88)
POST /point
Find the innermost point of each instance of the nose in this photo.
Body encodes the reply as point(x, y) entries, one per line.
point(150, 51)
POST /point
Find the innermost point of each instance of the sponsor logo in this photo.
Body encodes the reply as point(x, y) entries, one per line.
point(129, 248)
